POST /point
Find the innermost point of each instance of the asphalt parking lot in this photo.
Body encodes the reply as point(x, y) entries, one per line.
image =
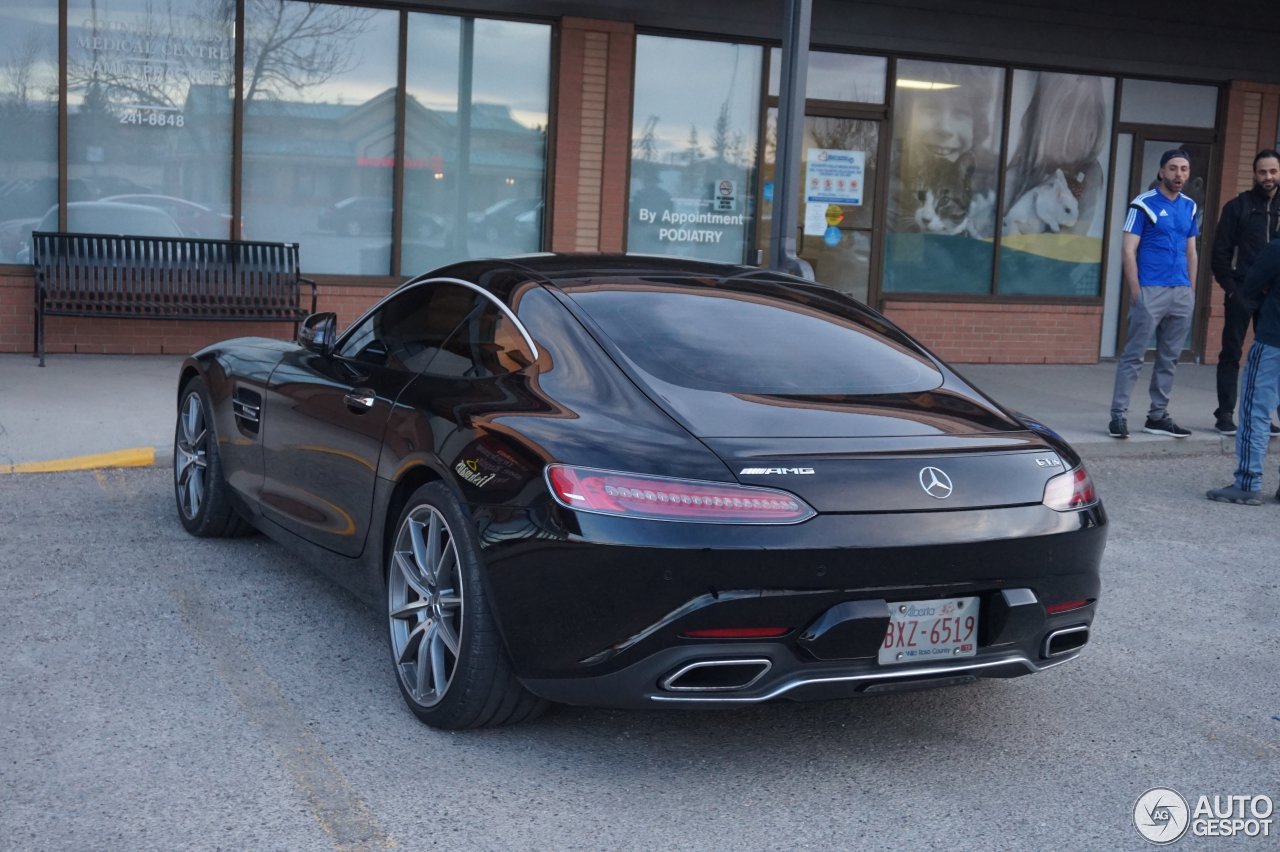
point(164, 692)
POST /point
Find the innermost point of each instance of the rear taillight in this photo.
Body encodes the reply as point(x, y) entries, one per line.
point(665, 499)
point(1065, 606)
point(1069, 491)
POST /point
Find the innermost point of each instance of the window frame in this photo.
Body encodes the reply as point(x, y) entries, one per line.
point(424, 281)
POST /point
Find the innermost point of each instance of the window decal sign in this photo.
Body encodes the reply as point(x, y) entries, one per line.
point(834, 177)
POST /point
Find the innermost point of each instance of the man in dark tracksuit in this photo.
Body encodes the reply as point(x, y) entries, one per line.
point(1248, 223)
point(1260, 293)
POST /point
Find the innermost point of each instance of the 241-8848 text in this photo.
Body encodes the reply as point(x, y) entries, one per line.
point(153, 118)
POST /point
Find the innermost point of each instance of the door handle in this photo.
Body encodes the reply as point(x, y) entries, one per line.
point(360, 400)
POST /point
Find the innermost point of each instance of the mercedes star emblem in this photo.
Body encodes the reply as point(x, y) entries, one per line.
point(935, 483)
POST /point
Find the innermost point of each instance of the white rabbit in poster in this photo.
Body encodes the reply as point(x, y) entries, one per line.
point(1051, 206)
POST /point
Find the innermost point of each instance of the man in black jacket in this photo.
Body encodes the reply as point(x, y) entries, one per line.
point(1248, 222)
point(1260, 292)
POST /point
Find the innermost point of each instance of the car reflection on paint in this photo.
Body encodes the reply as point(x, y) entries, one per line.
point(646, 482)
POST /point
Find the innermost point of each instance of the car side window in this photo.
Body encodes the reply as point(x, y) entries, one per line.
point(487, 343)
point(408, 330)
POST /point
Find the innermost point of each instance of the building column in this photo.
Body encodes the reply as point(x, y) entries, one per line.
point(592, 144)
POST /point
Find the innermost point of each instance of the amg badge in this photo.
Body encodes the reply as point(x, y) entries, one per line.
point(765, 471)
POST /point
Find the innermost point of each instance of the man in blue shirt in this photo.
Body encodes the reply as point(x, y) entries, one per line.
point(1159, 267)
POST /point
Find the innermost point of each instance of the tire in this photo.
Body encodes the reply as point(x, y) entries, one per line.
point(449, 660)
point(200, 489)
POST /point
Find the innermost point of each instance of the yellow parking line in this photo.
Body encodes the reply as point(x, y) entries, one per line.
point(136, 457)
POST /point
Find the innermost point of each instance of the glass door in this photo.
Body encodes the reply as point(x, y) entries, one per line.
point(837, 198)
point(1147, 151)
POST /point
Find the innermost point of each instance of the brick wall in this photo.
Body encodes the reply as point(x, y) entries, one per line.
point(1252, 113)
point(149, 337)
point(16, 324)
point(1002, 333)
point(593, 133)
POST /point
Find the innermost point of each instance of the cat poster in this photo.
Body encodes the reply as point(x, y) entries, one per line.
point(942, 210)
point(944, 217)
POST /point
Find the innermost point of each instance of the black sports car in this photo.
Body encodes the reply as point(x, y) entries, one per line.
point(646, 482)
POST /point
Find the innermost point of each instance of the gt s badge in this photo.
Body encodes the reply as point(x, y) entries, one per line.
point(765, 471)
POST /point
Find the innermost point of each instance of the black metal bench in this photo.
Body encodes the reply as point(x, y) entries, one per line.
point(128, 277)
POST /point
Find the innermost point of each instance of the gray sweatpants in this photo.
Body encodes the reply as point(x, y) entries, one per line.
point(1165, 312)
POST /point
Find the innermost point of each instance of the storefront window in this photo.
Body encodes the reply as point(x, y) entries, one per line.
point(943, 178)
point(1055, 184)
point(836, 76)
point(149, 116)
point(319, 131)
point(693, 149)
point(28, 121)
point(475, 139)
point(1169, 104)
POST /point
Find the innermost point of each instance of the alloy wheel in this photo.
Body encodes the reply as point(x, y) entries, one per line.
point(425, 605)
point(190, 457)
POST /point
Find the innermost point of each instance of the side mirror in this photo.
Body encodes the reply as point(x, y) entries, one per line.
point(318, 332)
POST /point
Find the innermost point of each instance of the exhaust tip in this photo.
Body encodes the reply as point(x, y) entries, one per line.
point(716, 675)
point(1064, 641)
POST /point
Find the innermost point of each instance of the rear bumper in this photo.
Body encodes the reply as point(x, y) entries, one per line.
point(598, 614)
point(775, 670)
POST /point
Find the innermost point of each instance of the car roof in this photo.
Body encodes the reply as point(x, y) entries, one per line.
point(569, 270)
point(506, 277)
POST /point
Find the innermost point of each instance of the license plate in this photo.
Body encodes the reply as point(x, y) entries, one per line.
point(921, 631)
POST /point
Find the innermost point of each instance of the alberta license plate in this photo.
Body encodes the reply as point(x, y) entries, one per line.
point(920, 631)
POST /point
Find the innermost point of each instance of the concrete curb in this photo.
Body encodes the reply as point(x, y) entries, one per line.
point(1153, 447)
point(133, 457)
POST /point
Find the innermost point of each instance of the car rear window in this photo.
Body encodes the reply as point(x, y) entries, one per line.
point(736, 342)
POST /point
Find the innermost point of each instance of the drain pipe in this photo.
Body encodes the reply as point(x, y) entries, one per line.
point(786, 169)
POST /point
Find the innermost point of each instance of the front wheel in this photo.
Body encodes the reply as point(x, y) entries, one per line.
point(450, 663)
point(204, 504)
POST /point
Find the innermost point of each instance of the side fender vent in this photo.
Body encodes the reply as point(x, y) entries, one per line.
point(247, 405)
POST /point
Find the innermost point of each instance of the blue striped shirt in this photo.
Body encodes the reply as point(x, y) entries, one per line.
point(1163, 226)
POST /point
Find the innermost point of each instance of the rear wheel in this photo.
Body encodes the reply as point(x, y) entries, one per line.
point(204, 504)
point(450, 663)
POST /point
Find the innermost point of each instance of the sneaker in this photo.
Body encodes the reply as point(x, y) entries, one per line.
point(1118, 428)
point(1226, 426)
point(1165, 427)
point(1232, 494)
point(1275, 430)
